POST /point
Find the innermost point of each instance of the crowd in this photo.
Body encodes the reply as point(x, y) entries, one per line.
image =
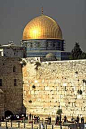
point(36, 119)
point(73, 120)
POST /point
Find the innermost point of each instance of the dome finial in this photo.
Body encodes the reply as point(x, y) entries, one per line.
point(42, 11)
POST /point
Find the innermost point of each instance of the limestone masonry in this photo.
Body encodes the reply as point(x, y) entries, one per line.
point(52, 85)
point(42, 87)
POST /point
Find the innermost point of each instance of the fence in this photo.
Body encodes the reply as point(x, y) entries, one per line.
point(20, 125)
point(23, 125)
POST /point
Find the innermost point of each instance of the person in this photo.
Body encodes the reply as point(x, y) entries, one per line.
point(49, 118)
point(42, 126)
point(65, 119)
point(26, 117)
point(35, 119)
point(30, 116)
point(38, 118)
point(72, 119)
point(77, 120)
point(57, 120)
point(2, 119)
point(82, 119)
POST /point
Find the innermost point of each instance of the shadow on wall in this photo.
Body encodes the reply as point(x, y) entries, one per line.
point(23, 109)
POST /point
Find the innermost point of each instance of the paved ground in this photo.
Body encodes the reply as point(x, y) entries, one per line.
point(36, 126)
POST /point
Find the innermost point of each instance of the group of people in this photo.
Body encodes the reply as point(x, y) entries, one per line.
point(30, 116)
point(35, 118)
point(77, 120)
point(58, 120)
point(48, 120)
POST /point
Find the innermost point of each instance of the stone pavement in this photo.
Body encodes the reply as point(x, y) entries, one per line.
point(15, 125)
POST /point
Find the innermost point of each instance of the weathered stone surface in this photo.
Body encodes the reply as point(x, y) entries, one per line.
point(12, 97)
point(43, 90)
point(56, 84)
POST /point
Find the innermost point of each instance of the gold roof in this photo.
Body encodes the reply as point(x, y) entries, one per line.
point(42, 27)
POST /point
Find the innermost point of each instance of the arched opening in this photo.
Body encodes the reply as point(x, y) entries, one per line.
point(8, 113)
point(14, 69)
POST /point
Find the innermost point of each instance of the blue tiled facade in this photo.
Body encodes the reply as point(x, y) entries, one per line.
point(40, 48)
point(45, 44)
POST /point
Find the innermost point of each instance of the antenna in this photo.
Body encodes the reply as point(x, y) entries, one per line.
point(42, 11)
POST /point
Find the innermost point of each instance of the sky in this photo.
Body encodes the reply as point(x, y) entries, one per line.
point(69, 14)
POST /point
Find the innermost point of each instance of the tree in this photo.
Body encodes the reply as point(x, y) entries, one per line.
point(77, 53)
point(59, 111)
point(83, 56)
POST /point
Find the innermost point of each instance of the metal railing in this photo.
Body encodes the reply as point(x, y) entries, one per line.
point(24, 125)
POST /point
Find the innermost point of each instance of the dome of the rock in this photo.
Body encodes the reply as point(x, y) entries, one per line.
point(42, 27)
point(42, 37)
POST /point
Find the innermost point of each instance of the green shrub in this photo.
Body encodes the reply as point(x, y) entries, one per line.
point(59, 111)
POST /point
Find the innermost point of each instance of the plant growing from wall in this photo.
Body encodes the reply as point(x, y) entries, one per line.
point(79, 92)
point(20, 59)
point(49, 63)
point(33, 86)
point(84, 81)
point(30, 101)
point(37, 64)
point(76, 72)
point(23, 63)
point(59, 111)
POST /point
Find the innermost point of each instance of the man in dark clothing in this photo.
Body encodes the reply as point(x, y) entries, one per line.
point(57, 120)
point(30, 116)
point(77, 120)
point(82, 120)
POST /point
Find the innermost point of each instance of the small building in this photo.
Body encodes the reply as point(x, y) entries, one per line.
point(12, 50)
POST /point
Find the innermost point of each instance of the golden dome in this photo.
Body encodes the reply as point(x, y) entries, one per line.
point(42, 27)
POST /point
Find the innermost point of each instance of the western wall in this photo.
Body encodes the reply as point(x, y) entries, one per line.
point(44, 86)
point(51, 85)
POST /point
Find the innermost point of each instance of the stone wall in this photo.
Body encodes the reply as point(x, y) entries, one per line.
point(1, 103)
point(12, 94)
point(44, 87)
point(49, 86)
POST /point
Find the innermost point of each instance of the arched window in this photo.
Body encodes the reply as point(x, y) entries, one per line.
point(0, 82)
point(8, 113)
point(14, 69)
point(15, 82)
